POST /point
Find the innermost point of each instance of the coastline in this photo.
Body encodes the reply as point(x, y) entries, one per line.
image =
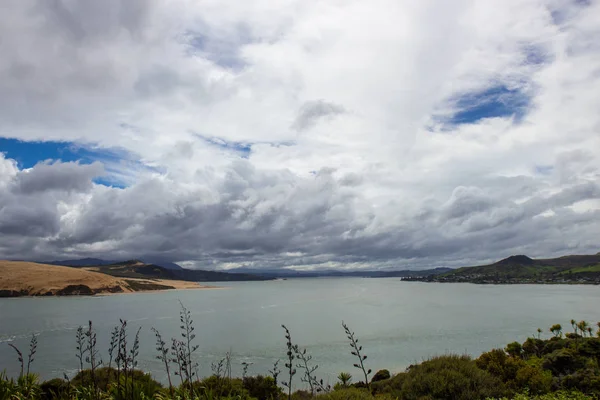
point(24, 279)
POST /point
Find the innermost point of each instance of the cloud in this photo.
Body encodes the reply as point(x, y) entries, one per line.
point(58, 176)
point(301, 133)
point(311, 112)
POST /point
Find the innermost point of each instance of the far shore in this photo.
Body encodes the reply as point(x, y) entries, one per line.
point(26, 279)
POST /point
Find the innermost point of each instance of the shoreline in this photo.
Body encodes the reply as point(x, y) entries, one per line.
point(25, 279)
point(131, 292)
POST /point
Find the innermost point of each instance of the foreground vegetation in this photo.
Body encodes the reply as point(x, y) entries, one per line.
point(564, 366)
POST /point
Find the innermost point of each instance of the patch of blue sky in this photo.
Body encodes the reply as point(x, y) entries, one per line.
point(241, 149)
point(494, 102)
point(28, 154)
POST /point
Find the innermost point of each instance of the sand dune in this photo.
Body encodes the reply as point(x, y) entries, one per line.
point(19, 278)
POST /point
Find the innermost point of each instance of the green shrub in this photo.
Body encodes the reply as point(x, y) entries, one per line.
point(554, 344)
point(381, 375)
point(500, 364)
point(514, 349)
point(221, 387)
point(450, 377)
point(351, 394)
point(536, 380)
point(560, 395)
point(262, 387)
point(392, 386)
point(54, 389)
point(533, 347)
point(25, 387)
point(563, 362)
point(302, 395)
point(106, 380)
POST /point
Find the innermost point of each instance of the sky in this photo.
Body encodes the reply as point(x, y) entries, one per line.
point(299, 133)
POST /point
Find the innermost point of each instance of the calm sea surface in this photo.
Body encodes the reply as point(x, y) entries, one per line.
point(398, 323)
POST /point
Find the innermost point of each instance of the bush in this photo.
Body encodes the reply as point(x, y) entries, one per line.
point(563, 362)
point(450, 377)
point(392, 386)
point(54, 388)
point(262, 387)
point(500, 364)
point(561, 395)
point(533, 347)
point(351, 394)
point(302, 395)
point(221, 386)
point(555, 344)
point(534, 379)
point(106, 380)
point(515, 349)
point(381, 375)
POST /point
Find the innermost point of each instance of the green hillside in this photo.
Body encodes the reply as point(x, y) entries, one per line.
point(583, 269)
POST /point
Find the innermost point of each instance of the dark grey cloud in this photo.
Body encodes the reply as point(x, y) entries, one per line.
point(57, 176)
point(312, 111)
point(276, 219)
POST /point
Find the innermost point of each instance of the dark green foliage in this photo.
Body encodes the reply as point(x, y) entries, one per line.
point(54, 389)
point(450, 377)
point(24, 387)
point(553, 344)
point(262, 387)
point(352, 394)
point(381, 375)
point(514, 349)
point(563, 362)
point(392, 386)
point(500, 364)
point(106, 380)
point(533, 347)
point(534, 379)
point(220, 387)
point(567, 363)
point(301, 395)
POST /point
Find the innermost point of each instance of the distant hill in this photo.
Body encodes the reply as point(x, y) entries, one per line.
point(288, 273)
point(89, 262)
point(82, 262)
point(140, 269)
point(523, 269)
point(22, 278)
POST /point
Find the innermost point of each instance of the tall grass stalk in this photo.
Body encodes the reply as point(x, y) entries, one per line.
point(163, 355)
point(290, 363)
point(19, 357)
point(32, 350)
point(356, 351)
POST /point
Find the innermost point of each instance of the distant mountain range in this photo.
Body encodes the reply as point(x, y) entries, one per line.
point(162, 270)
point(288, 273)
point(143, 270)
point(89, 262)
point(522, 269)
point(514, 269)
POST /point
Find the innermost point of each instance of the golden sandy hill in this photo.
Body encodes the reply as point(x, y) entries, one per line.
point(20, 278)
